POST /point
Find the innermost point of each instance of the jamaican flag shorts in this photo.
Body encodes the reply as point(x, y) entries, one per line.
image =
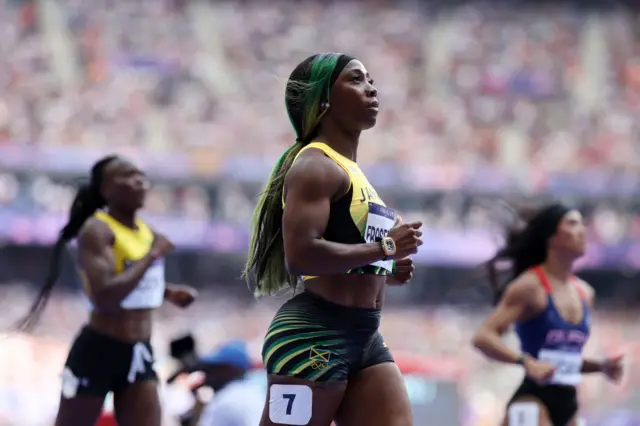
point(314, 339)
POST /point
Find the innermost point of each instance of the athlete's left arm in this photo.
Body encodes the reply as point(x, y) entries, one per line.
point(610, 366)
point(180, 295)
point(589, 365)
point(177, 294)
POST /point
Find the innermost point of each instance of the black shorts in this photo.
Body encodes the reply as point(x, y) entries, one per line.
point(560, 401)
point(98, 364)
point(314, 339)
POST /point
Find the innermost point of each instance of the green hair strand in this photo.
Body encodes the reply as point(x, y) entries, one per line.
point(265, 270)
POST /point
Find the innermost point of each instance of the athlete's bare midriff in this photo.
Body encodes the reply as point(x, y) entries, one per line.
point(356, 291)
point(125, 325)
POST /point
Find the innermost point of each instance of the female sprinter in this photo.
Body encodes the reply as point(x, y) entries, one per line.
point(325, 357)
point(123, 272)
point(551, 309)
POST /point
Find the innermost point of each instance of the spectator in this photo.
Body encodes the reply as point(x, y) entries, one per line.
point(236, 401)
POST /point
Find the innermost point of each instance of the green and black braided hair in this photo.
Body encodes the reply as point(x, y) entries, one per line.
point(88, 199)
point(307, 93)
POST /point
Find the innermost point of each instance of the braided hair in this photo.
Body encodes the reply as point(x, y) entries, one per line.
point(88, 199)
point(306, 96)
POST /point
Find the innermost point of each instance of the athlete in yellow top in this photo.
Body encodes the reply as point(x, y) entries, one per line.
point(122, 265)
point(320, 218)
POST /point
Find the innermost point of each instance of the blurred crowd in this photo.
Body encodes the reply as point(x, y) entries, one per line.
point(43, 197)
point(531, 92)
point(29, 372)
point(476, 97)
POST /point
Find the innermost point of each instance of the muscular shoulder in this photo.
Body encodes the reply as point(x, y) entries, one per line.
point(317, 174)
point(524, 289)
point(95, 232)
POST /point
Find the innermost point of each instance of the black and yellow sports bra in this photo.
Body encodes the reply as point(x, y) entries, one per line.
point(130, 246)
point(359, 216)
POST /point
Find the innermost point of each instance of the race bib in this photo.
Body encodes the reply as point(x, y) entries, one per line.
point(568, 366)
point(149, 293)
point(290, 404)
point(523, 414)
point(379, 221)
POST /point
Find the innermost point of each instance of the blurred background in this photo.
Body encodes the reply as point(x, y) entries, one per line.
point(482, 103)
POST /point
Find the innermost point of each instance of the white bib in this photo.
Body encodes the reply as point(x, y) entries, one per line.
point(379, 221)
point(149, 293)
point(568, 366)
point(290, 404)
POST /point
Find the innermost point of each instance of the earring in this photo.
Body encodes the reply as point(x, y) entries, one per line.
point(324, 105)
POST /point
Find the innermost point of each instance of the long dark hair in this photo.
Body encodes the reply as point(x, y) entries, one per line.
point(88, 199)
point(308, 88)
point(525, 245)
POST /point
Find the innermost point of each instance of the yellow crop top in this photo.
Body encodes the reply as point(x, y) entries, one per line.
point(359, 216)
point(129, 246)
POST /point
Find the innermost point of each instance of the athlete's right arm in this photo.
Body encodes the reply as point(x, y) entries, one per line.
point(513, 306)
point(108, 289)
point(311, 184)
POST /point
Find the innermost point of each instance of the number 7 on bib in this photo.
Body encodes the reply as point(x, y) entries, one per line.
point(290, 404)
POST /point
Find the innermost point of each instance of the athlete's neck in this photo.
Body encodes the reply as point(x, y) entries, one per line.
point(128, 219)
point(344, 143)
point(559, 267)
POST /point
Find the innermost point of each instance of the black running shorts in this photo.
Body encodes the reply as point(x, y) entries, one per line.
point(314, 339)
point(98, 364)
point(560, 401)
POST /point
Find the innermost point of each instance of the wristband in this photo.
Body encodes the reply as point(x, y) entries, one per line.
point(520, 360)
point(393, 268)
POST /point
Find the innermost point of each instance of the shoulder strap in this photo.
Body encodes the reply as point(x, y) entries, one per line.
point(543, 278)
point(341, 160)
point(112, 223)
point(545, 282)
point(105, 217)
